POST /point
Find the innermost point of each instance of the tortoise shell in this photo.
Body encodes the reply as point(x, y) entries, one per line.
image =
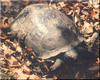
point(46, 30)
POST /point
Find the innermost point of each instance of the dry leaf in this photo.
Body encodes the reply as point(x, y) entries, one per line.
point(17, 46)
point(98, 75)
point(97, 27)
point(54, 6)
point(98, 61)
point(10, 20)
point(28, 63)
point(29, 49)
point(6, 2)
point(77, 10)
point(26, 2)
point(12, 59)
point(95, 14)
point(34, 77)
point(7, 50)
point(86, 28)
point(20, 74)
point(5, 23)
point(23, 71)
point(26, 70)
point(61, 4)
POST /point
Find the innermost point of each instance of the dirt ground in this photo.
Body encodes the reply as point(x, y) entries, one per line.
point(14, 60)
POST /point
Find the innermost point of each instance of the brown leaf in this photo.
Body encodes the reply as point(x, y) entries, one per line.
point(98, 61)
point(10, 20)
point(26, 2)
point(15, 64)
point(5, 23)
point(87, 28)
point(20, 74)
point(7, 3)
point(29, 49)
point(34, 77)
point(62, 4)
point(7, 50)
point(26, 70)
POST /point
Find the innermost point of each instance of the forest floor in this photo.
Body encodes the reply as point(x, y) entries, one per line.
point(14, 59)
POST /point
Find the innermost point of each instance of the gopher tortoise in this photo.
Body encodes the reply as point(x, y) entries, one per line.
point(48, 32)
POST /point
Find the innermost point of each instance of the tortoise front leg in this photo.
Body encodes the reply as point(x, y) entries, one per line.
point(57, 64)
point(67, 57)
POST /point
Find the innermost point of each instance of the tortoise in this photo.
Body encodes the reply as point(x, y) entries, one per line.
point(48, 32)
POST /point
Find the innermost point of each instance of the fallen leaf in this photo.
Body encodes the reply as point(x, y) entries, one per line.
point(26, 70)
point(29, 49)
point(7, 50)
point(87, 28)
point(34, 77)
point(62, 4)
point(21, 75)
point(98, 61)
point(5, 23)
